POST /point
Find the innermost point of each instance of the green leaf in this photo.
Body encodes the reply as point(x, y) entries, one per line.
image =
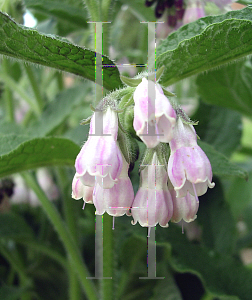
point(218, 225)
point(13, 226)
point(226, 298)
point(18, 155)
point(134, 82)
point(204, 44)
point(27, 44)
point(58, 110)
point(245, 2)
point(72, 12)
point(131, 259)
point(142, 12)
point(11, 141)
point(78, 134)
point(9, 128)
point(239, 194)
point(245, 241)
point(229, 87)
point(166, 289)
point(10, 292)
point(221, 274)
point(221, 166)
point(216, 124)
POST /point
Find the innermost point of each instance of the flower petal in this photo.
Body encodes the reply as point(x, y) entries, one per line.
point(116, 201)
point(184, 208)
point(101, 157)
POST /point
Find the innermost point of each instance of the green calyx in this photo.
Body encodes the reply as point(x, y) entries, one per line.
point(128, 146)
point(163, 152)
point(134, 82)
point(184, 117)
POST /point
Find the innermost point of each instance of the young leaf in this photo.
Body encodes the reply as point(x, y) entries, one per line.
point(204, 44)
point(27, 44)
point(133, 82)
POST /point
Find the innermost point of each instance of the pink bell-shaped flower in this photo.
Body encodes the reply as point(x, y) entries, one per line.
point(100, 158)
point(184, 208)
point(118, 200)
point(154, 117)
point(153, 202)
point(189, 169)
point(79, 190)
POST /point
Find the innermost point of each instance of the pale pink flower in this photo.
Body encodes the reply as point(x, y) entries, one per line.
point(189, 168)
point(153, 202)
point(154, 117)
point(100, 158)
point(117, 200)
point(184, 208)
point(79, 190)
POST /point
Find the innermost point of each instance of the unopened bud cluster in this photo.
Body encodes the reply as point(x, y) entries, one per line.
point(170, 180)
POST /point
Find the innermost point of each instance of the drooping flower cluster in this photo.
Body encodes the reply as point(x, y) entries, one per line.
point(100, 157)
point(101, 174)
point(189, 168)
point(169, 184)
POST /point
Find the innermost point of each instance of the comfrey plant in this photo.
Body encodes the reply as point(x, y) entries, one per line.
point(142, 158)
point(173, 173)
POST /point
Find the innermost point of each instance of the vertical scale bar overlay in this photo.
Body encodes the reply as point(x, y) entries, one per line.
point(151, 241)
point(98, 132)
point(150, 66)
